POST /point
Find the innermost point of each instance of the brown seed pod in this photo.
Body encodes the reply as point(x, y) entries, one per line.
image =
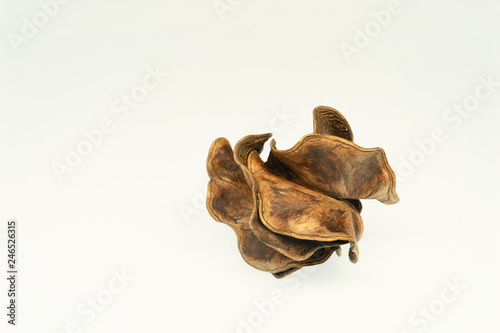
point(296, 249)
point(327, 120)
point(302, 204)
point(346, 170)
point(296, 211)
point(229, 200)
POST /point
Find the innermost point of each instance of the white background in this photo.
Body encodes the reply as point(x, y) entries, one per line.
point(135, 202)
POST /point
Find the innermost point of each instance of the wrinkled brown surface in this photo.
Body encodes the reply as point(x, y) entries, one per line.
point(293, 210)
point(298, 207)
point(297, 249)
point(329, 121)
point(346, 169)
point(229, 198)
point(319, 257)
point(265, 258)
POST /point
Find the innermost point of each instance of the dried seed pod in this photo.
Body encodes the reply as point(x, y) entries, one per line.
point(296, 249)
point(319, 257)
point(296, 211)
point(229, 198)
point(327, 120)
point(265, 258)
point(346, 171)
point(258, 254)
point(298, 207)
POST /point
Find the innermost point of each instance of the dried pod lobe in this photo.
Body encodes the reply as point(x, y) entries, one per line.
point(229, 198)
point(296, 211)
point(302, 204)
point(297, 249)
point(346, 170)
point(327, 120)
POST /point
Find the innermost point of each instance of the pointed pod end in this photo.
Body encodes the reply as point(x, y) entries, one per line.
point(327, 120)
point(220, 149)
point(247, 144)
point(354, 253)
point(392, 199)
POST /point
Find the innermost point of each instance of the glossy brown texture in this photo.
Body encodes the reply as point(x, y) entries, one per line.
point(302, 204)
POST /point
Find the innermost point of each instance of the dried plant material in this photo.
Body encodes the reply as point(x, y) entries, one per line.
point(229, 198)
point(327, 120)
point(296, 211)
point(258, 254)
point(302, 204)
point(265, 258)
point(319, 257)
point(296, 249)
point(346, 170)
